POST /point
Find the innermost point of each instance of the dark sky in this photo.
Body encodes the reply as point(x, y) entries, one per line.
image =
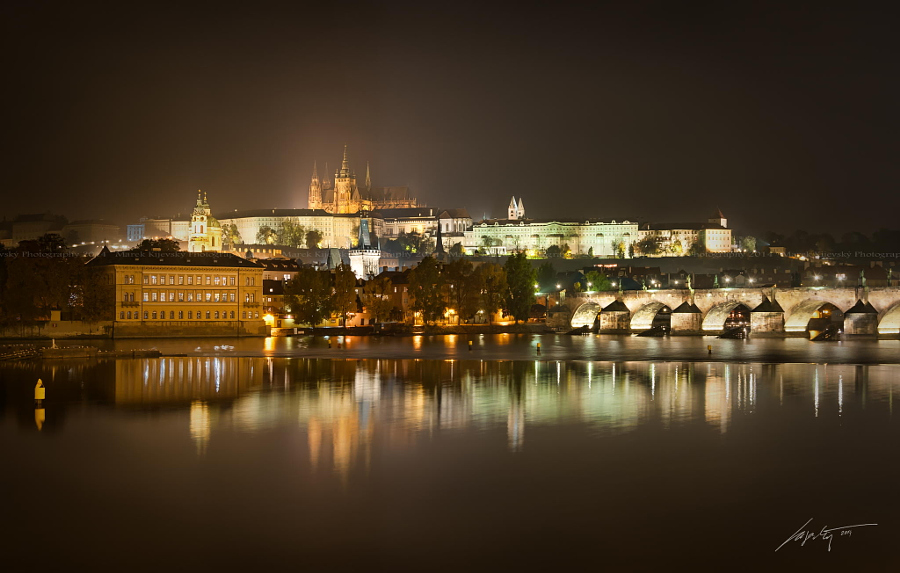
point(784, 116)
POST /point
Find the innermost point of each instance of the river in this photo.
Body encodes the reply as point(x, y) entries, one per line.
point(417, 454)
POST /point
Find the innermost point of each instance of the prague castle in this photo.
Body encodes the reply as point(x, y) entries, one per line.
point(345, 196)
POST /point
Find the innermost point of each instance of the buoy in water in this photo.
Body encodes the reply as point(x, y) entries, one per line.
point(539, 347)
point(709, 348)
point(39, 391)
point(470, 346)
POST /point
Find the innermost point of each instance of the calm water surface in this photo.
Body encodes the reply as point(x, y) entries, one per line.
point(220, 462)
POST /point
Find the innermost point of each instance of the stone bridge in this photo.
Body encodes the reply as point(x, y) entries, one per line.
point(869, 312)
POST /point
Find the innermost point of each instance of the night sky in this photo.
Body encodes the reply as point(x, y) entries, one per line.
point(784, 116)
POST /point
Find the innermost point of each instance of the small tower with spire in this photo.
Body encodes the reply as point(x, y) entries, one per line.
point(315, 190)
point(516, 210)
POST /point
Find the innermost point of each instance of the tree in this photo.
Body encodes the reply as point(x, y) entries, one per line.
point(463, 290)
point(457, 250)
point(748, 243)
point(231, 236)
point(565, 251)
point(677, 248)
point(697, 248)
point(491, 280)
point(619, 249)
point(591, 252)
point(520, 277)
point(313, 238)
point(95, 298)
point(630, 250)
point(344, 302)
point(425, 284)
point(309, 295)
point(596, 280)
point(162, 245)
point(546, 276)
point(266, 236)
point(553, 251)
point(649, 246)
point(376, 298)
point(291, 234)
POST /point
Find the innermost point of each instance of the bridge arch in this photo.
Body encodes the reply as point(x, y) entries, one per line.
point(643, 318)
point(585, 314)
point(890, 322)
point(714, 320)
point(798, 320)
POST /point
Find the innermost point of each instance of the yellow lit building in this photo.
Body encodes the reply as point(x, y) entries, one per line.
point(183, 294)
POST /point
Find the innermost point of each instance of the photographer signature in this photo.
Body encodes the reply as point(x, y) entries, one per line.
point(825, 534)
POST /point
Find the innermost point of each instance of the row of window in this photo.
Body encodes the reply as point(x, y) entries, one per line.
point(188, 296)
point(161, 315)
point(216, 280)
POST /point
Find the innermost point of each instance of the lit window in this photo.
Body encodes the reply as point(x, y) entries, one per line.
point(190, 279)
point(207, 314)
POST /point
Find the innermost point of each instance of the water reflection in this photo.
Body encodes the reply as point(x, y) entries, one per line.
point(348, 407)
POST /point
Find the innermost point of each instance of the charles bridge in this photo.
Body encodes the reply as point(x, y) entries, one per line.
point(859, 311)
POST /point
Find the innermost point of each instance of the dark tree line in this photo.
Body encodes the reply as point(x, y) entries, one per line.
point(40, 276)
point(798, 242)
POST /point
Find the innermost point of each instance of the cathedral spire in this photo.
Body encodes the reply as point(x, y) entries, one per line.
point(345, 164)
point(315, 175)
point(368, 179)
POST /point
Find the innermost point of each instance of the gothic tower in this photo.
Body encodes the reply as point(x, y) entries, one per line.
point(315, 190)
point(344, 187)
point(513, 210)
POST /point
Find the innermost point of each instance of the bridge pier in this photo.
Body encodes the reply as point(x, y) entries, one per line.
point(861, 320)
point(687, 319)
point(767, 319)
point(615, 318)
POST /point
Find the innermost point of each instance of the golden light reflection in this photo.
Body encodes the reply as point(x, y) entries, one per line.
point(200, 425)
point(344, 408)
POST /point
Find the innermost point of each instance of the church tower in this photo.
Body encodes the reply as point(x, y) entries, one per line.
point(344, 187)
point(206, 231)
point(513, 210)
point(315, 190)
